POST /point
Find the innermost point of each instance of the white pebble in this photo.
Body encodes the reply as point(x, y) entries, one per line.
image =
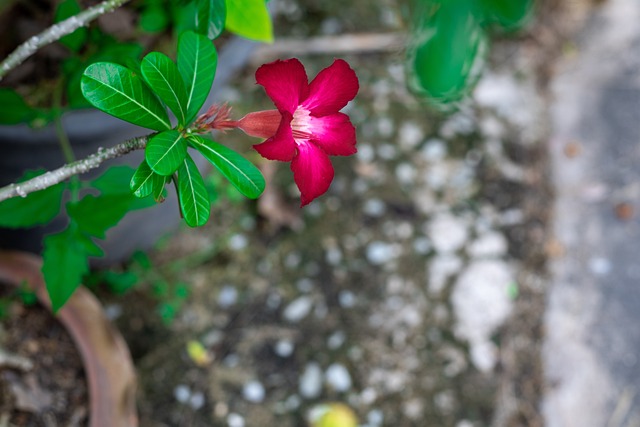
point(374, 207)
point(284, 348)
point(238, 242)
point(298, 309)
point(447, 233)
point(336, 340)
point(365, 153)
point(197, 400)
point(338, 377)
point(375, 417)
point(600, 266)
point(235, 420)
point(228, 296)
point(310, 382)
point(489, 244)
point(381, 252)
point(405, 173)
point(253, 391)
point(347, 299)
point(182, 393)
point(410, 134)
point(434, 150)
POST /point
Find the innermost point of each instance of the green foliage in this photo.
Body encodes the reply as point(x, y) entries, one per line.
point(116, 90)
point(250, 19)
point(165, 152)
point(197, 61)
point(507, 14)
point(211, 17)
point(146, 182)
point(445, 49)
point(75, 40)
point(163, 77)
point(448, 43)
point(192, 194)
point(239, 171)
point(64, 264)
point(154, 17)
point(36, 208)
point(89, 218)
point(13, 109)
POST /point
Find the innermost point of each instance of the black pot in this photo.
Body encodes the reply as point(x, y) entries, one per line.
point(88, 130)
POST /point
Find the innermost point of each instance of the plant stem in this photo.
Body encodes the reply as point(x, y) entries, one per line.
point(63, 139)
point(56, 32)
point(67, 171)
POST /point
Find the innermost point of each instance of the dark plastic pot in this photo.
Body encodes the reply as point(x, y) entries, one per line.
point(25, 148)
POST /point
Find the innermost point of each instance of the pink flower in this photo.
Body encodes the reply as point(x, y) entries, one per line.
point(307, 128)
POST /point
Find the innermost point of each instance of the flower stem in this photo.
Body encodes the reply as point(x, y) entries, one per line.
point(67, 171)
point(56, 32)
point(63, 138)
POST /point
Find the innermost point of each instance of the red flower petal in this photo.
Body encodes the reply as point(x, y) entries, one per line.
point(332, 89)
point(334, 134)
point(281, 146)
point(312, 172)
point(285, 82)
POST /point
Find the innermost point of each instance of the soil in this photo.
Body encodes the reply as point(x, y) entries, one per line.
point(41, 375)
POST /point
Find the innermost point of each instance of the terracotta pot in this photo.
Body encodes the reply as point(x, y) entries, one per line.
point(107, 363)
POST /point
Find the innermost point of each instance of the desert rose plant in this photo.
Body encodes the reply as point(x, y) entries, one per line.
point(305, 128)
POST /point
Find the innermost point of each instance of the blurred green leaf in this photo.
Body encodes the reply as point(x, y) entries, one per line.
point(446, 49)
point(36, 208)
point(154, 19)
point(211, 17)
point(119, 282)
point(192, 194)
point(64, 263)
point(163, 77)
point(116, 90)
point(508, 14)
point(76, 39)
point(250, 19)
point(13, 109)
point(95, 215)
point(240, 172)
point(114, 180)
point(165, 152)
point(197, 61)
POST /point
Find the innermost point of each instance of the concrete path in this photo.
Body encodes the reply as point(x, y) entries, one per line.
point(593, 316)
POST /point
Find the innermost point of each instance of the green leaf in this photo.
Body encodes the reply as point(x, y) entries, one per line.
point(114, 180)
point(154, 19)
point(192, 194)
point(446, 50)
point(37, 208)
point(508, 14)
point(145, 181)
point(163, 77)
point(95, 215)
point(165, 152)
point(76, 39)
point(116, 90)
point(197, 61)
point(211, 17)
point(64, 264)
point(250, 19)
point(13, 109)
point(239, 171)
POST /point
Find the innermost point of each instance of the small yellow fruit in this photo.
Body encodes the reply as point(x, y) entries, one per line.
point(335, 415)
